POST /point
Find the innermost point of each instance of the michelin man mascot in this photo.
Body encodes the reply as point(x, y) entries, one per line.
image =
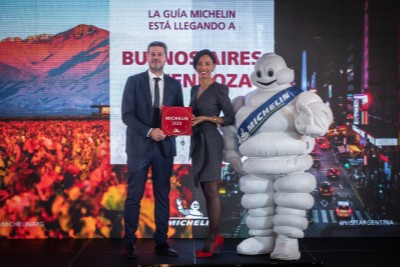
point(270, 144)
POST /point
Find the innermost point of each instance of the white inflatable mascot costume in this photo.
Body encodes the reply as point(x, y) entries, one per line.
point(270, 144)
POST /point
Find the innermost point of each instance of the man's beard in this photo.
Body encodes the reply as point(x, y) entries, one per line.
point(157, 69)
point(160, 68)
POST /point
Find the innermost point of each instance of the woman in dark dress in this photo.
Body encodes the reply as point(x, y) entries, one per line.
point(208, 100)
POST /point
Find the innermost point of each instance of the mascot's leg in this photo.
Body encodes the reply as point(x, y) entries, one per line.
point(292, 199)
point(258, 200)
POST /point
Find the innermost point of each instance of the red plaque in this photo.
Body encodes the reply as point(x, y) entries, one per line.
point(176, 120)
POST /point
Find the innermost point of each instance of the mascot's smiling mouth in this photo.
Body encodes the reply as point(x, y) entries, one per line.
point(266, 84)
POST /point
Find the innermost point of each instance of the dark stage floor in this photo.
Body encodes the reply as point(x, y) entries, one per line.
point(329, 252)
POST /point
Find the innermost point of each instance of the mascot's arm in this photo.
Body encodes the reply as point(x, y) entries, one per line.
point(231, 153)
point(313, 116)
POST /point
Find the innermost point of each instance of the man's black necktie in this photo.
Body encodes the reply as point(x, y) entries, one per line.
point(156, 105)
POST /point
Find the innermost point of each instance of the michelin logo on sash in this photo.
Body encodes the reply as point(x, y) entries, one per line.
point(259, 116)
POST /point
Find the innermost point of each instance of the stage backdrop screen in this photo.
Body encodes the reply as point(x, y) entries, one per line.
point(63, 68)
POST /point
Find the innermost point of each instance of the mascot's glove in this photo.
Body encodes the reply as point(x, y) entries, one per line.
point(231, 153)
point(236, 164)
point(313, 120)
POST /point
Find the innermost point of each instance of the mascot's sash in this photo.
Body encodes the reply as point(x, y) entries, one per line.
point(259, 116)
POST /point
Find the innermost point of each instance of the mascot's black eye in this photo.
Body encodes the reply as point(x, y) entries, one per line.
point(259, 74)
point(270, 73)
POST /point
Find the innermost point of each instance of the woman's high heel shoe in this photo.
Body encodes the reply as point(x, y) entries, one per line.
point(218, 244)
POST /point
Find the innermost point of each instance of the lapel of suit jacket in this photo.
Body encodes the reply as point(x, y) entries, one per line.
point(146, 88)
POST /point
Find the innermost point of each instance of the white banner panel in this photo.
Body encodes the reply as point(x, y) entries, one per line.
point(237, 31)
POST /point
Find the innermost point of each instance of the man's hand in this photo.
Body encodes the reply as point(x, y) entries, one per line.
point(157, 134)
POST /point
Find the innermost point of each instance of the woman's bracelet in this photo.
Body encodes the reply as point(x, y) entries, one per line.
point(215, 119)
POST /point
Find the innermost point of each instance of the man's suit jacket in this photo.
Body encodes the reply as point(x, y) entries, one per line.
point(137, 113)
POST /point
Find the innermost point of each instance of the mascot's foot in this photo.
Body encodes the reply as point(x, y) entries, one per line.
point(286, 248)
point(256, 245)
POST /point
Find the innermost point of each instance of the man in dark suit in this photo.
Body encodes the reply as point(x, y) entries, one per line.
point(147, 146)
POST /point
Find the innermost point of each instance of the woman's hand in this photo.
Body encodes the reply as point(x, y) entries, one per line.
point(198, 120)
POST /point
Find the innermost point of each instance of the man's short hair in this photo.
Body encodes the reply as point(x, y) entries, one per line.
point(158, 43)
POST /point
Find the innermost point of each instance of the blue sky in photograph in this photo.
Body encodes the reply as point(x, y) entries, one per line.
point(23, 18)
